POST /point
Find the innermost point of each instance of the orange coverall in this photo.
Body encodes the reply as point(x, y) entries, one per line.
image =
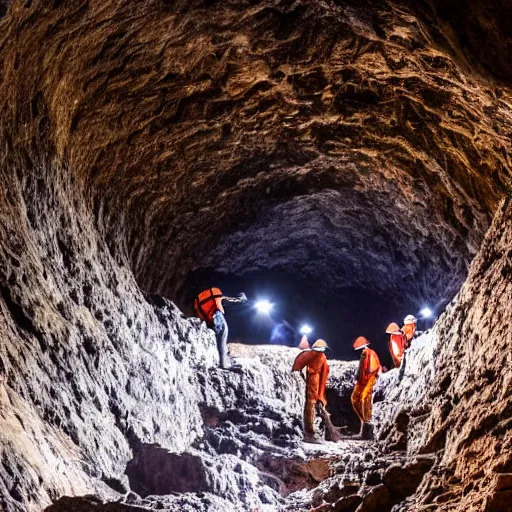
point(369, 367)
point(408, 330)
point(316, 379)
point(397, 343)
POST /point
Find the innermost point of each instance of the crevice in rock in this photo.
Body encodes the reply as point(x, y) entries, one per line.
point(155, 471)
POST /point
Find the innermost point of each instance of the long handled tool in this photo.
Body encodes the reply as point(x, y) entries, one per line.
point(331, 432)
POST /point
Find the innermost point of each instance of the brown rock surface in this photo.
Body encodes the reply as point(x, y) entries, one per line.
point(362, 121)
point(350, 144)
point(457, 388)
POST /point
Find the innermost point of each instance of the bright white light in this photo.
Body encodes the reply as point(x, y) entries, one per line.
point(426, 313)
point(305, 329)
point(263, 306)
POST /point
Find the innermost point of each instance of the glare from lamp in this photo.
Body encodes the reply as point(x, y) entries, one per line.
point(426, 312)
point(263, 306)
point(306, 329)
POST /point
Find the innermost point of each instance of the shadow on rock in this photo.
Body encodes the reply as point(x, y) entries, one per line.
point(156, 471)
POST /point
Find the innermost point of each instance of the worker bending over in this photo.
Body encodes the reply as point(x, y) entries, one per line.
point(362, 396)
point(208, 306)
point(316, 378)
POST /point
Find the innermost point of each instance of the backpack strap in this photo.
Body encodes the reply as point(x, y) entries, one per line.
point(199, 303)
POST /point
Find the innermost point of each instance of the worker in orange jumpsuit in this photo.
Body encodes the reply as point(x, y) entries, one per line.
point(400, 339)
point(409, 328)
point(316, 378)
point(208, 306)
point(396, 343)
point(362, 396)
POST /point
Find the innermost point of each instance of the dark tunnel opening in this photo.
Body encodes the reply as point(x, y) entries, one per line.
point(336, 315)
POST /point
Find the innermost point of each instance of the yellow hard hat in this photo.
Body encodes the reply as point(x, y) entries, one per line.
point(319, 345)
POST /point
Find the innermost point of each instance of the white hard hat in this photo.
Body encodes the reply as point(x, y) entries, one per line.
point(410, 319)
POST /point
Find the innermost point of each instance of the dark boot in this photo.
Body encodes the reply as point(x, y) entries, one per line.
point(367, 431)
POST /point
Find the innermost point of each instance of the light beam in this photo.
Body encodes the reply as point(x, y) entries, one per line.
point(264, 306)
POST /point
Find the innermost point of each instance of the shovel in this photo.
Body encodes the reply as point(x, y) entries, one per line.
point(331, 432)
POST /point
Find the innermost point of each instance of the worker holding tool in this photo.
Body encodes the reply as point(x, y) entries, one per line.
point(362, 396)
point(316, 378)
point(208, 307)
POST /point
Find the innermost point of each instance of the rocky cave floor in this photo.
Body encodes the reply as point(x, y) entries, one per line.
point(286, 473)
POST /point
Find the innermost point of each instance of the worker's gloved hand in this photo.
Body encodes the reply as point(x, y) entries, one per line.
point(322, 401)
point(243, 297)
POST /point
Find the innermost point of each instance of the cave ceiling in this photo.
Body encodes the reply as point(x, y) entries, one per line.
point(362, 144)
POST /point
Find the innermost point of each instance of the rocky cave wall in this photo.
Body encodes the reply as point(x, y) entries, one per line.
point(104, 388)
point(455, 401)
point(356, 128)
point(93, 371)
point(376, 135)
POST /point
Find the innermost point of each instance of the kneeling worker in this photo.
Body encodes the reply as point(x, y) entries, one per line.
point(316, 379)
point(208, 306)
point(362, 396)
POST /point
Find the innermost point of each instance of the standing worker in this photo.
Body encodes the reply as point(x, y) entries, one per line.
point(400, 339)
point(316, 379)
point(362, 396)
point(397, 343)
point(409, 328)
point(408, 331)
point(208, 306)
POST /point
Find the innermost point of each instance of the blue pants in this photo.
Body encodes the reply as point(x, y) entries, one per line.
point(220, 327)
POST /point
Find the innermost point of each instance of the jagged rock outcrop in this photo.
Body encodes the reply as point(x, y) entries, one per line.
point(455, 401)
point(94, 373)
